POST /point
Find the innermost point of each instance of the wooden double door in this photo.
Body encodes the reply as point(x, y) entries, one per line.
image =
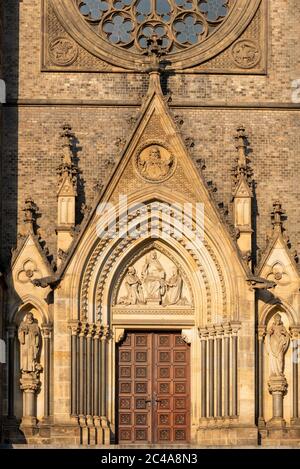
point(153, 388)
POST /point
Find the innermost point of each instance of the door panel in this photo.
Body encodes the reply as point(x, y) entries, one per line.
point(153, 385)
point(134, 388)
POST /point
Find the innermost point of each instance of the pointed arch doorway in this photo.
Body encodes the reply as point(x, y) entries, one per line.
point(153, 387)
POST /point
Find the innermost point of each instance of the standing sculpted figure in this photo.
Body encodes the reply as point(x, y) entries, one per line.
point(277, 342)
point(29, 337)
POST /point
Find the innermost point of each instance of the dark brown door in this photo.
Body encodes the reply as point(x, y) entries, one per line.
point(153, 386)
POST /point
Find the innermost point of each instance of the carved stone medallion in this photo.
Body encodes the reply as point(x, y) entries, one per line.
point(63, 51)
point(246, 54)
point(154, 163)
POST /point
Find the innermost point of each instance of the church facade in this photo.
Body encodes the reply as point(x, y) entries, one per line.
point(150, 223)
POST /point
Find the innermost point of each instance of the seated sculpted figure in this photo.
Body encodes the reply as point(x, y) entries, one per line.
point(153, 277)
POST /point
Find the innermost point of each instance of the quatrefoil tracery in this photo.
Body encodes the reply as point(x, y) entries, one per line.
point(180, 23)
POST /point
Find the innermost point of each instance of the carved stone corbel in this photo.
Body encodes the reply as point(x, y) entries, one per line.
point(186, 335)
point(119, 335)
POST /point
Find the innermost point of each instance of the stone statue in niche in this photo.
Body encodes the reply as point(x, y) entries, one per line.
point(134, 288)
point(174, 288)
point(30, 342)
point(277, 342)
point(153, 276)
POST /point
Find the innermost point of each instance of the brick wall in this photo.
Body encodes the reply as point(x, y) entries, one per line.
point(31, 134)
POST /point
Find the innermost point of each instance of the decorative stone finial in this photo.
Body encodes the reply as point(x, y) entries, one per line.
point(154, 50)
point(67, 166)
point(241, 148)
point(277, 215)
point(30, 213)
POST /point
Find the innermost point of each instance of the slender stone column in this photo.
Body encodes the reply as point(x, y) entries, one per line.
point(75, 328)
point(96, 369)
point(203, 333)
point(11, 332)
point(106, 334)
point(227, 333)
point(103, 373)
point(261, 332)
point(295, 331)
point(234, 361)
point(89, 371)
point(29, 384)
point(211, 368)
point(277, 387)
point(82, 369)
point(220, 333)
point(46, 332)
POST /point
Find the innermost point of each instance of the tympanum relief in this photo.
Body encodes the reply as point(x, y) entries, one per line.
point(154, 280)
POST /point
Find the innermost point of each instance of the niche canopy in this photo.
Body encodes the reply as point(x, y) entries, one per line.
point(191, 31)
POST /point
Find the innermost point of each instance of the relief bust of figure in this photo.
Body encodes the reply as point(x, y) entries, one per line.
point(155, 163)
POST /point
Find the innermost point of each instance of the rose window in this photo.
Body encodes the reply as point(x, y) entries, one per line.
point(179, 23)
point(188, 32)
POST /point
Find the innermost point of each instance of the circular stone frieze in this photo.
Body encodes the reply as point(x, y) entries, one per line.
point(154, 163)
point(63, 51)
point(190, 31)
point(246, 53)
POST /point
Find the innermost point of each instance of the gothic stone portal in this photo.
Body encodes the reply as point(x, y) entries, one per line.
point(153, 384)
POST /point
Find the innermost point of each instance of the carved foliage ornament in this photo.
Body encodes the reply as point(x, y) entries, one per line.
point(190, 31)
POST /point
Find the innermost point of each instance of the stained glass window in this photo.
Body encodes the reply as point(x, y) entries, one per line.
point(179, 23)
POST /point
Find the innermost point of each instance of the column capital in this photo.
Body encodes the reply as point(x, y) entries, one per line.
point(84, 329)
point(203, 332)
point(75, 327)
point(219, 331)
point(261, 331)
point(211, 332)
point(97, 331)
point(295, 332)
point(227, 329)
point(90, 331)
point(106, 332)
point(235, 326)
point(46, 330)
